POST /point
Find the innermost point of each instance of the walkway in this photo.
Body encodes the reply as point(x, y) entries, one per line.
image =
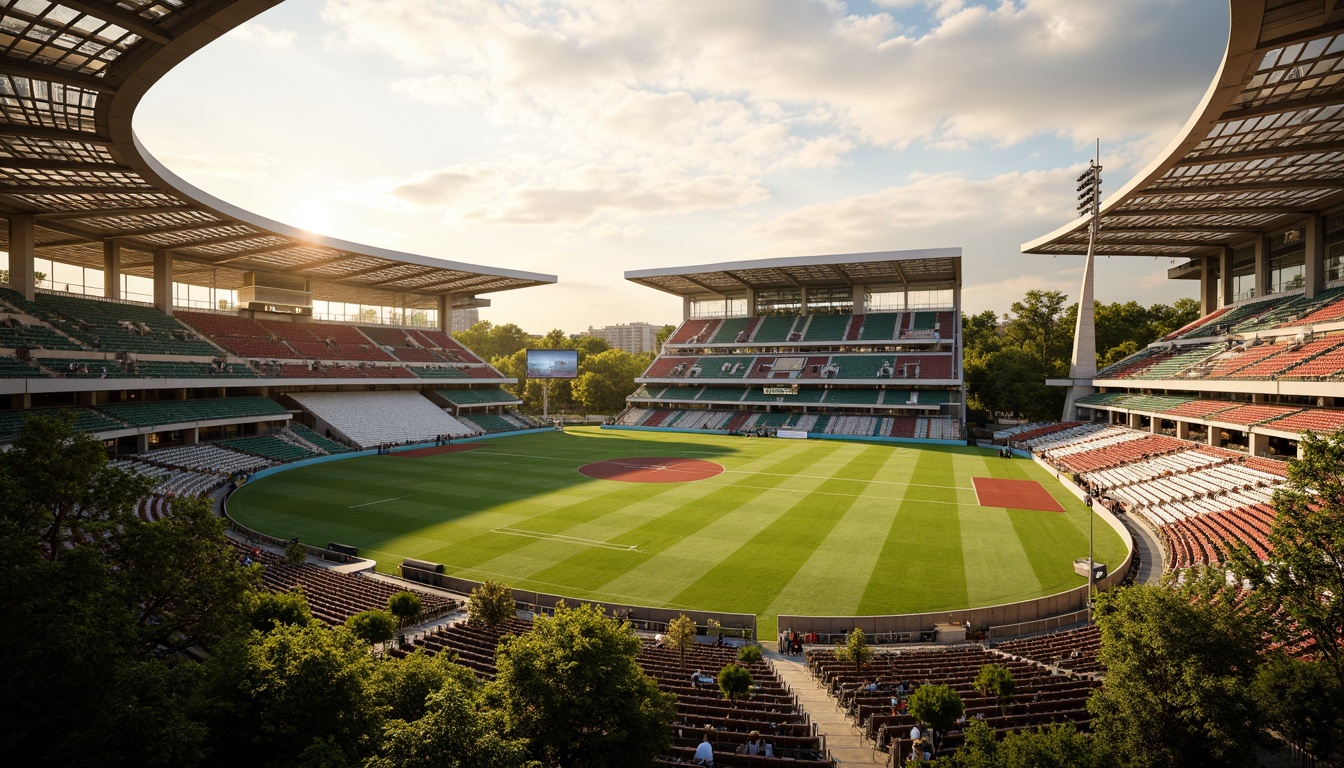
point(1148, 549)
point(843, 740)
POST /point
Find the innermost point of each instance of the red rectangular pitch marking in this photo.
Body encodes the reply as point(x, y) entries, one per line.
point(1014, 494)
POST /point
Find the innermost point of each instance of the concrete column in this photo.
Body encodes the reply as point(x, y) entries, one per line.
point(1154, 425)
point(1314, 240)
point(1258, 444)
point(802, 300)
point(111, 269)
point(1132, 421)
point(163, 282)
point(1261, 265)
point(1083, 365)
point(751, 302)
point(191, 436)
point(686, 308)
point(446, 313)
point(860, 299)
point(21, 253)
point(1208, 286)
point(1183, 430)
point(1225, 269)
point(142, 442)
point(1215, 436)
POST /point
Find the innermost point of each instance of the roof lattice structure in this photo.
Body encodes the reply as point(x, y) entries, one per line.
point(1264, 147)
point(928, 269)
point(71, 76)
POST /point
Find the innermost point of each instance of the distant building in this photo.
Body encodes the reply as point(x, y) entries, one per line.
point(631, 337)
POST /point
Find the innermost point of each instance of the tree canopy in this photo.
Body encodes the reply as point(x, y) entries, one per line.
point(491, 604)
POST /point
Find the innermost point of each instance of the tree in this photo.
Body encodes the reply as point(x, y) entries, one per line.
point(750, 654)
point(265, 610)
point(1059, 745)
point(996, 680)
point(457, 730)
point(734, 682)
point(491, 604)
point(295, 553)
point(660, 338)
point(1302, 700)
point(573, 689)
point(401, 687)
point(1039, 325)
point(490, 341)
point(606, 378)
point(937, 705)
point(373, 627)
point(1179, 665)
point(1304, 572)
point(680, 635)
point(855, 650)
point(404, 605)
point(269, 697)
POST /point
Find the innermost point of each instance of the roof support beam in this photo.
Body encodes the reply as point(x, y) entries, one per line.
point(112, 213)
point(410, 276)
point(50, 164)
point(326, 262)
point(454, 285)
point(166, 229)
point(54, 134)
point(714, 291)
point(1243, 186)
point(225, 240)
point(1231, 228)
point(131, 22)
point(1264, 153)
point(249, 253)
point(1279, 107)
point(731, 276)
point(18, 68)
point(1222, 209)
point(75, 189)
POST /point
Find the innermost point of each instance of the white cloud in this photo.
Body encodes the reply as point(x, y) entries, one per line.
point(241, 165)
point(264, 36)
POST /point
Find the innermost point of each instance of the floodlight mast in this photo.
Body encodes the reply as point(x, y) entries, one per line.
point(1084, 334)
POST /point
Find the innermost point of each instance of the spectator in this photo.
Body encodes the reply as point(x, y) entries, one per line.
point(704, 754)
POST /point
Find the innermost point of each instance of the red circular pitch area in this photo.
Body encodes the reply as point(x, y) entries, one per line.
point(651, 469)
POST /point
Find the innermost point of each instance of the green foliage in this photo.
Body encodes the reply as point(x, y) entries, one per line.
point(457, 730)
point(937, 705)
point(1053, 746)
point(680, 635)
point(1303, 701)
point(404, 605)
point(491, 604)
point(663, 335)
point(490, 341)
point(373, 627)
point(401, 687)
point(996, 680)
point(1179, 665)
point(750, 654)
point(572, 687)
point(266, 609)
point(734, 682)
point(100, 606)
point(1304, 574)
point(295, 553)
point(606, 378)
point(855, 650)
point(270, 696)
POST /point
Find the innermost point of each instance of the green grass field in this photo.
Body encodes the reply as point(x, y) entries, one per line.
point(811, 527)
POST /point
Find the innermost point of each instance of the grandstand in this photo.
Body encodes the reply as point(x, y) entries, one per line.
point(855, 345)
point(1255, 217)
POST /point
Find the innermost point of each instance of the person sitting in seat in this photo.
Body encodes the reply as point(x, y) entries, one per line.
point(704, 754)
point(700, 678)
point(756, 745)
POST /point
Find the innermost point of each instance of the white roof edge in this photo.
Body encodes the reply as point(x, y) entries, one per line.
point(187, 190)
point(798, 261)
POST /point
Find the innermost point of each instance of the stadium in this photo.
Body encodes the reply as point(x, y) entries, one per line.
point(796, 461)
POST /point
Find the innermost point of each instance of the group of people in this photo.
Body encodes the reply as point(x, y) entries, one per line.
point(755, 746)
point(790, 643)
point(1005, 452)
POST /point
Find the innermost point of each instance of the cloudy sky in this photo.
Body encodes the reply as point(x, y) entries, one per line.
point(583, 138)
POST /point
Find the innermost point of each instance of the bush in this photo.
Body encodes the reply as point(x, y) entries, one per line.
point(750, 654)
point(491, 604)
point(734, 682)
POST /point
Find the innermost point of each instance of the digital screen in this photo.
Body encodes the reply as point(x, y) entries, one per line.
point(552, 363)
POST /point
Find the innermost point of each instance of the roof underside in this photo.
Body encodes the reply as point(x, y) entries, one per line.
point(929, 269)
point(1265, 147)
point(70, 78)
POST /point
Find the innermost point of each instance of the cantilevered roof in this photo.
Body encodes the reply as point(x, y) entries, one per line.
point(1264, 147)
point(927, 269)
point(71, 76)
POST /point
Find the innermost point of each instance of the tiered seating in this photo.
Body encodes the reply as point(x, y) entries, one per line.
point(1314, 419)
point(1041, 695)
point(403, 348)
point(1328, 312)
point(489, 422)
point(1290, 356)
point(182, 369)
point(13, 368)
point(1326, 365)
point(1292, 311)
point(86, 420)
point(116, 327)
point(1204, 539)
point(334, 596)
point(207, 458)
point(239, 335)
point(369, 419)
point(827, 328)
point(734, 330)
point(1200, 409)
point(446, 345)
point(318, 441)
point(335, 371)
point(325, 341)
point(1131, 364)
point(880, 326)
point(1123, 452)
point(20, 333)
point(694, 331)
point(1171, 365)
point(186, 411)
point(170, 482)
point(269, 447)
point(851, 396)
point(1074, 649)
point(483, 396)
point(437, 371)
point(1235, 359)
point(1250, 415)
point(666, 367)
point(1228, 318)
point(775, 329)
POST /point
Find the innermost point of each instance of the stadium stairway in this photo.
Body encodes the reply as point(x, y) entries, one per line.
point(844, 741)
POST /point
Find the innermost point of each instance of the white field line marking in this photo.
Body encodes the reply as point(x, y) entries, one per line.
point(977, 493)
point(846, 479)
point(567, 539)
point(380, 501)
point(795, 492)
